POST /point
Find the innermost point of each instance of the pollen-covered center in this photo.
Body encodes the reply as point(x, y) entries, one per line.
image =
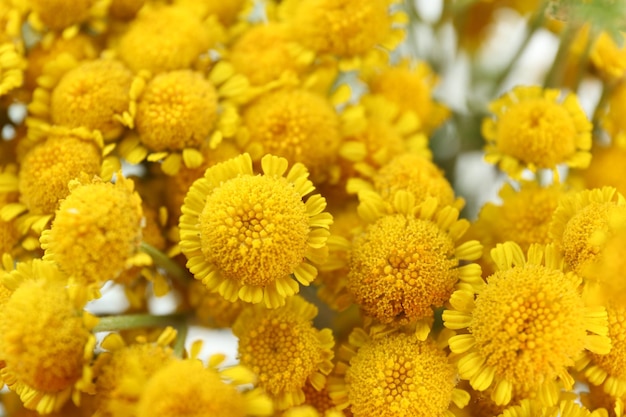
point(537, 131)
point(282, 350)
point(255, 229)
point(400, 376)
point(529, 324)
point(614, 363)
point(400, 268)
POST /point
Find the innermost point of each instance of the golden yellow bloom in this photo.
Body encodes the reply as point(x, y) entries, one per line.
point(122, 372)
point(298, 125)
point(200, 392)
point(227, 12)
point(143, 46)
point(534, 408)
point(579, 220)
point(526, 326)
point(125, 9)
point(345, 28)
point(608, 58)
point(45, 341)
point(245, 234)
point(396, 376)
point(596, 175)
point(265, 53)
point(96, 232)
point(12, 65)
point(407, 262)
point(533, 128)
point(211, 309)
point(283, 348)
point(61, 14)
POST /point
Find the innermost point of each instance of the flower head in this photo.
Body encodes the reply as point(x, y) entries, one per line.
point(534, 129)
point(397, 375)
point(12, 65)
point(525, 327)
point(61, 14)
point(407, 262)
point(283, 348)
point(596, 175)
point(245, 234)
point(45, 341)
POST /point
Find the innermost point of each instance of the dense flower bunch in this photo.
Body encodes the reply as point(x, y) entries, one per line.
point(279, 169)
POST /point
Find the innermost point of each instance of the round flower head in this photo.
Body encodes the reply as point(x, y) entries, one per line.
point(12, 66)
point(345, 28)
point(244, 235)
point(407, 262)
point(143, 46)
point(62, 14)
point(46, 171)
point(608, 58)
point(532, 128)
point(45, 341)
point(296, 124)
point(265, 53)
point(597, 175)
point(187, 388)
point(96, 232)
point(123, 371)
point(525, 327)
point(283, 348)
point(395, 376)
point(534, 408)
point(579, 220)
point(226, 11)
point(93, 95)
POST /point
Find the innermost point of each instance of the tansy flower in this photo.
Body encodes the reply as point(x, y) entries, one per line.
point(45, 340)
point(525, 327)
point(122, 372)
point(283, 348)
point(211, 309)
point(608, 58)
point(609, 370)
point(308, 411)
point(244, 235)
point(12, 65)
point(533, 128)
point(96, 232)
point(407, 262)
point(534, 408)
point(295, 124)
point(579, 221)
point(188, 388)
point(266, 53)
point(142, 46)
point(596, 175)
point(346, 28)
point(177, 115)
point(58, 15)
point(227, 12)
point(93, 95)
point(397, 375)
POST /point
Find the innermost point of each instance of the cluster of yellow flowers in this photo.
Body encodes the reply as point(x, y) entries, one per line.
point(280, 147)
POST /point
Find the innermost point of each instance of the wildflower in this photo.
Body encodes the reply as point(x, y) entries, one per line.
point(407, 262)
point(283, 348)
point(62, 14)
point(123, 371)
point(45, 340)
point(142, 46)
point(608, 58)
point(226, 12)
point(345, 28)
point(298, 125)
point(244, 235)
point(210, 394)
point(533, 129)
point(581, 217)
point(396, 375)
point(125, 9)
point(534, 408)
point(211, 309)
point(96, 232)
point(526, 326)
point(12, 65)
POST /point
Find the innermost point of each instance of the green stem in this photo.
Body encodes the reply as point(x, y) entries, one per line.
point(181, 337)
point(162, 260)
point(556, 70)
point(137, 321)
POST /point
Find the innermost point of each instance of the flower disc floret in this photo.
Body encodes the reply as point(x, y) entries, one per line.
point(91, 95)
point(245, 234)
point(177, 110)
point(283, 348)
point(534, 129)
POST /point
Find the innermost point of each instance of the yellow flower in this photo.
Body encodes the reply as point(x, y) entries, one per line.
point(211, 309)
point(123, 371)
point(579, 221)
point(395, 376)
point(298, 125)
point(96, 232)
point(45, 340)
point(62, 14)
point(187, 388)
point(244, 235)
point(143, 45)
point(407, 262)
point(608, 58)
point(226, 11)
point(345, 28)
point(12, 65)
point(612, 118)
point(534, 408)
point(525, 327)
point(125, 9)
point(283, 348)
point(532, 128)
point(596, 175)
